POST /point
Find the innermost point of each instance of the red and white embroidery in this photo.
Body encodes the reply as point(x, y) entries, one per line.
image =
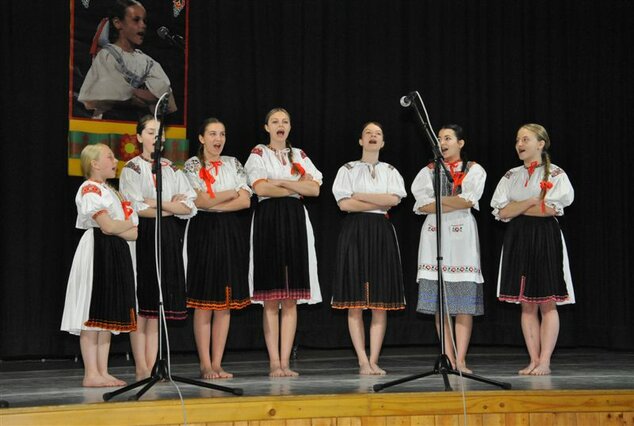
point(91, 189)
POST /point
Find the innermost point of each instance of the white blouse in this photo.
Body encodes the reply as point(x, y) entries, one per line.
point(361, 177)
point(228, 174)
point(93, 197)
point(137, 182)
point(105, 81)
point(266, 163)
point(471, 189)
point(518, 185)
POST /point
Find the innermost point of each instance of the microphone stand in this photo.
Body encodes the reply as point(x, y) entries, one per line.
point(442, 365)
point(161, 369)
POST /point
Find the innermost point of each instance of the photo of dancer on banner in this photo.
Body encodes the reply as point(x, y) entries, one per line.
point(113, 78)
point(124, 56)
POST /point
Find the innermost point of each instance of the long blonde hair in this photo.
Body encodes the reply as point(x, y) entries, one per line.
point(88, 154)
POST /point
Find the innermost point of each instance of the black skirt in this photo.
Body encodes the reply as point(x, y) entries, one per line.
point(280, 250)
point(173, 272)
point(112, 304)
point(368, 270)
point(217, 262)
point(532, 261)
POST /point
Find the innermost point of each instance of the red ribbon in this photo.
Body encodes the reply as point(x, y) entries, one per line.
point(216, 165)
point(127, 209)
point(545, 186)
point(208, 178)
point(297, 168)
point(531, 169)
point(457, 177)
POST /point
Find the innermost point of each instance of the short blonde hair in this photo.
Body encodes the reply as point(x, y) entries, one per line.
point(88, 154)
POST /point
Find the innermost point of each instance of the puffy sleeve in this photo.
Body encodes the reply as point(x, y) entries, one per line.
point(423, 190)
point(473, 184)
point(91, 201)
point(561, 194)
point(342, 187)
point(103, 82)
point(157, 82)
point(241, 177)
point(184, 187)
point(255, 168)
point(191, 170)
point(130, 186)
point(395, 183)
point(310, 167)
point(501, 196)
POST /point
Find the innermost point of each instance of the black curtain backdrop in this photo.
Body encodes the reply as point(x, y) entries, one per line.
point(489, 66)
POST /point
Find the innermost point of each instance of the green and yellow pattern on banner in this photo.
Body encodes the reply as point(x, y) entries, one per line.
point(121, 138)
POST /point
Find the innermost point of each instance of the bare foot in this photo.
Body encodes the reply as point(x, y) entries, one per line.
point(207, 373)
point(289, 373)
point(527, 370)
point(378, 371)
point(463, 369)
point(277, 372)
point(114, 380)
point(540, 370)
point(219, 373)
point(96, 382)
point(142, 374)
point(366, 370)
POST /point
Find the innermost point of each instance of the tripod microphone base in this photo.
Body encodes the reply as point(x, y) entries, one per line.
point(160, 372)
point(443, 367)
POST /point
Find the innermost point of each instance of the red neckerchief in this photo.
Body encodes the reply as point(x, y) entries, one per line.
point(457, 177)
point(531, 169)
point(208, 178)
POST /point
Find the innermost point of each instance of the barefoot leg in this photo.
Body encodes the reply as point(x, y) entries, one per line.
point(151, 342)
point(219, 330)
point(202, 336)
point(464, 325)
point(530, 329)
point(89, 349)
point(548, 333)
point(357, 335)
point(448, 339)
point(270, 319)
point(137, 341)
point(377, 333)
point(288, 328)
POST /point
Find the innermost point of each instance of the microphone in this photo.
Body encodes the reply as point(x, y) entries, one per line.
point(175, 39)
point(407, 99)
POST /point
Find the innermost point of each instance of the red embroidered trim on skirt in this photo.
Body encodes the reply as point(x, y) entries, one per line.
point(211, 305)
point(170, 315)
point(294, 294)
point(114, 325)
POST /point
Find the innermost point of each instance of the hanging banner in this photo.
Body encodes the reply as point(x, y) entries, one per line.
point(125, 55)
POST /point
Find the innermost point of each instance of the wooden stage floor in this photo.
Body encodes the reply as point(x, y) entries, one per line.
point(587, 387)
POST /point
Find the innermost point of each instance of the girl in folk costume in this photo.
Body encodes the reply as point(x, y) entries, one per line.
point(368, 269)
point(138, 184)
point(100, 292)
point(121, 76)
point(283, 266)
point(460, 245)
point(534, 268)
point(216, 248)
